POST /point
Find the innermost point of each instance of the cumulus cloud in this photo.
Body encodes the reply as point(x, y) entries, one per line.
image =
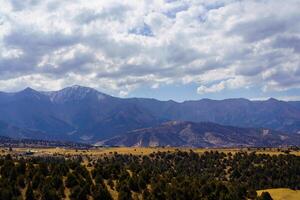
point(122, 45)
point(231, 83)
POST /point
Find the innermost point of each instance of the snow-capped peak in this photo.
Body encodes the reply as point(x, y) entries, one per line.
point(75, 93)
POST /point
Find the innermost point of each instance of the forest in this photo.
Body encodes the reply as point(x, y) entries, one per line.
point(161, 175)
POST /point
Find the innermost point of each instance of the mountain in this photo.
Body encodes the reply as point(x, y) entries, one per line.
point(84, 114)
point(29, 143)
point(7, 130)
point(75, 93)
point(203, 134)
point(77, 113)
point(272, 113)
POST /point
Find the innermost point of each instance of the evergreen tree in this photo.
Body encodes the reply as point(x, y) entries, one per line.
point(101, 193)
point(124, 193)
point(29, 193)
point(265, 196)
point(71, 180)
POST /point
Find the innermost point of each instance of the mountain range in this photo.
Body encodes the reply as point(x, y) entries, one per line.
point(201, 134)
point(84, 114)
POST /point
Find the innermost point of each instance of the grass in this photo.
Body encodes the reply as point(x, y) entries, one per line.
point(113, 192)
point(282, 194)
point(137, 150)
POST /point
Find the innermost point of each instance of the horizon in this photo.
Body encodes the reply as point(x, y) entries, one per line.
point(186, 100)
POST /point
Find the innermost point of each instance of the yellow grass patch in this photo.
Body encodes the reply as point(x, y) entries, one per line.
point(135, 151)
point(113, 192)
point(282, 194)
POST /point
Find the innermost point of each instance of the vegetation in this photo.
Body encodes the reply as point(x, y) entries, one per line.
point(281, 193)
point(161, 175)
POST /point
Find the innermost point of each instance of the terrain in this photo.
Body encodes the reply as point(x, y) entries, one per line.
point(202, 134)
point(30, 143)
point(226, 174)
point(282, 193)
point(96, 152)
point(84, 114)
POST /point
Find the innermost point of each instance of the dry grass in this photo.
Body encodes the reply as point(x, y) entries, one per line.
point(113, 192)
point(282, 194)
point(67, 190)
point(136, 151)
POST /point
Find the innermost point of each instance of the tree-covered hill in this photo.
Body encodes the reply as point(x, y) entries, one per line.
point(162, 175)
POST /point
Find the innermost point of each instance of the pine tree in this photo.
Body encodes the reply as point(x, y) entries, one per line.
point(71, 180)
point(101, 193)
point(29, 193)
point(124, 193)
point(265, 196)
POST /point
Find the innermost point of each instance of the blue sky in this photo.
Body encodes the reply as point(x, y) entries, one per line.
point(164, 49)
point(180, 93)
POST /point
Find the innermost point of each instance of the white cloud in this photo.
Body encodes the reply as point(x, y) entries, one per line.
point(231, 83)
point(214, 88)
point(118, 46)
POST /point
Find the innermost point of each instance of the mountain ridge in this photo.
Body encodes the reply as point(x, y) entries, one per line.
point(146, 98)
point(87, 115)
point(202, 134)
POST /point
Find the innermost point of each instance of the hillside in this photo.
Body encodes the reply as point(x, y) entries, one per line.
point(204, 134)
point(161, 175)
point(33, 143)
point(87, 115)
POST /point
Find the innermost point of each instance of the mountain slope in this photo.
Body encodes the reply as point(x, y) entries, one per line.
point(8, 130)
point(87, 115)
point(203, 134)
point(274, 114)
point(76, 112)
point(13, 142)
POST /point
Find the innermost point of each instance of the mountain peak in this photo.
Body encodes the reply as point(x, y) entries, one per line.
point(272, 99)
point(75, 93)
point(30, 93)
point(76, 87)
point(175, 122)
point(79, 90)
point(29, 89)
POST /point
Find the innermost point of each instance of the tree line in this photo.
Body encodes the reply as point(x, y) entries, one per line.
point(161, 175)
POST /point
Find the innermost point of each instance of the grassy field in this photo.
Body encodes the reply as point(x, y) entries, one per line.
point(137, 150)
point(282, 194)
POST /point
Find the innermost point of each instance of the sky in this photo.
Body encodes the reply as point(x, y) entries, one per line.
point(164, 49)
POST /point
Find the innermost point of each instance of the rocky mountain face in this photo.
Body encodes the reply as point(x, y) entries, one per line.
point(84, 114)
point(272, 113)
point(76, 113)
point(203, 134)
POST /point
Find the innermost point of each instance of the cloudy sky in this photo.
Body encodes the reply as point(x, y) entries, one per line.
point(185, 49)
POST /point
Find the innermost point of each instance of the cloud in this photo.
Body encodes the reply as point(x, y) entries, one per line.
point(231, 83)
point(288, 42)
point(214, 88)
point(119, 46)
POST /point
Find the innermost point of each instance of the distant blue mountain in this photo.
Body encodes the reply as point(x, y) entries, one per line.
point(87, 115)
